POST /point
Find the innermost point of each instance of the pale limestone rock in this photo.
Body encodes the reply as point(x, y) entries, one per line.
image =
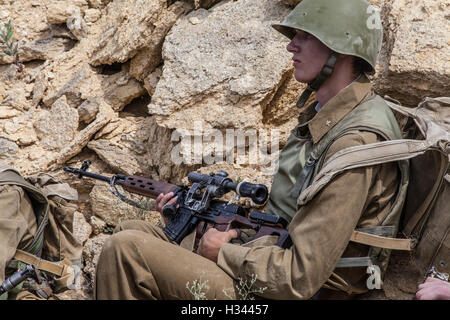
point(88, 110)
point(91, 253)
point(116, 156)
point(81, 83)
point(40, 85)
point(28, 21)
point(151, 81)
point(56, 137)
point(98, 3)
point(92, 15)
point(82, 230)
point(123, 145)
point(33, 159)
point(72, 77)
point(414, 62)
point(127, 27)
point(134, 28)
point(224, 76)
point(82, 138)
point(17, 99)
point(76, 23)
point(23, 135)
point(3, 93)
point(120, 89)
point(7, 149)
point(98, 225)
point(204, 3)
point(161, 158)
point(32, 32)
point(116, 127)
point(8, 112)
point(43, 49)
point(60, 11)
point(149, 57)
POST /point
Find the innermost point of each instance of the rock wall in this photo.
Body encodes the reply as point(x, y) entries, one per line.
point(114, 81)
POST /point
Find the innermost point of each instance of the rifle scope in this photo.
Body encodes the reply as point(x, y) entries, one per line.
point(257, 192)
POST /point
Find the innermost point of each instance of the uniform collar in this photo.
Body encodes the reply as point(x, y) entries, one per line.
point(338, 107)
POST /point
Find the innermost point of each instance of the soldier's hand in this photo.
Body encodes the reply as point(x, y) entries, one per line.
point(211, 242)
point(163, 200)
point(434, 289)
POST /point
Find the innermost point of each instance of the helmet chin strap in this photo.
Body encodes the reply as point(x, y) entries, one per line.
point(314, 85)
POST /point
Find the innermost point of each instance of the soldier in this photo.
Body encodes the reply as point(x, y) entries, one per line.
point(334, 44)
point(36, 240)
point(18, 225)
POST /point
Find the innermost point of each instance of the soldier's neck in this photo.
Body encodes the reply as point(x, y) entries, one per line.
point(340, 79)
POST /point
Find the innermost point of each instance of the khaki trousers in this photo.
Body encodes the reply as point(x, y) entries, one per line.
point(139, 262)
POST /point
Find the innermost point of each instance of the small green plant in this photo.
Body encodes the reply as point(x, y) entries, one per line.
point(6, 35)
point(196, 288)
point(245, 290)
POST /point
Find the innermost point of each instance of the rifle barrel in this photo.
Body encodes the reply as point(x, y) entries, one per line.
point(82, 173)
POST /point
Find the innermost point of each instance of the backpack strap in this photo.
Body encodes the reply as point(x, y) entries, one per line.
point(65, 274)
point(362, 156)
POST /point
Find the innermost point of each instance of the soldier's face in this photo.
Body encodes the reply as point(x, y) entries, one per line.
point(309, 56)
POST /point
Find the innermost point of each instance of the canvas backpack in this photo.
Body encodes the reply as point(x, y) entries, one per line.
point(54, 249)
point(425, 220)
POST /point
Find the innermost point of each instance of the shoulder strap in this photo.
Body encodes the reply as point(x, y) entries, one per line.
point(362, 156)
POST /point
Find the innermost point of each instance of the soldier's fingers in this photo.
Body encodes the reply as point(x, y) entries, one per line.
point(432, 280)
point(232, 233)
point(172, 201)
point(427, 293)
point(168, 196)
point(162, 202)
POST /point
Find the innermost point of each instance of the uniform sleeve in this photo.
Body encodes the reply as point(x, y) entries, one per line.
point(320, 232)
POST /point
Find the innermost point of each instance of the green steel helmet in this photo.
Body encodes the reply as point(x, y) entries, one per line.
point(351, 27)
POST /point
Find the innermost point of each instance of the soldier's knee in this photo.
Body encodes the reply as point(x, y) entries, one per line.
point(119, 241)
point(127, 225)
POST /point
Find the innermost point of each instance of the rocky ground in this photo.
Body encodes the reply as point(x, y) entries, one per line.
point(115, 81)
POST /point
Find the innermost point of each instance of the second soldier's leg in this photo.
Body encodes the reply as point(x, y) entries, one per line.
point(136, 264)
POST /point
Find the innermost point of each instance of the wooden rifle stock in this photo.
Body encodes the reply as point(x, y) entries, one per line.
point(147, 187)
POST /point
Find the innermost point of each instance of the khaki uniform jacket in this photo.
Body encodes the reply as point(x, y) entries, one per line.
point(321, 229)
